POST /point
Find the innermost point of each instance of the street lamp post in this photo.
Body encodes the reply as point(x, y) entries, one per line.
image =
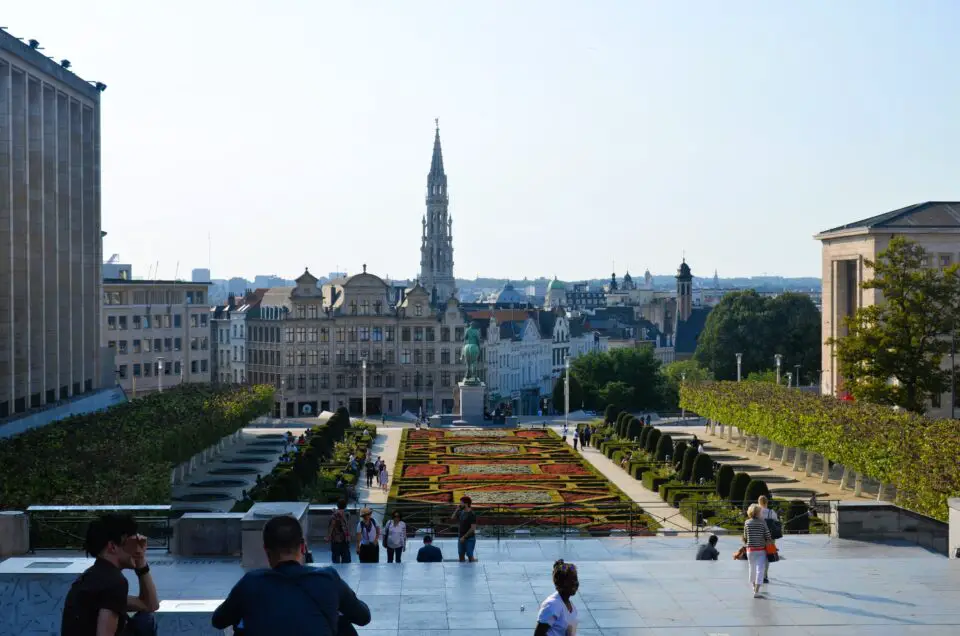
point(566, 393)
point(283, 399)
point(789, 378)
point(363, 383)
point(160, 374)
point(779, 360)
point(797, 375)
point(739, 365)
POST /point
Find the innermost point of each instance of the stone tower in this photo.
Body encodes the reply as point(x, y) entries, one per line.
point(436, 249)
point(684, 291)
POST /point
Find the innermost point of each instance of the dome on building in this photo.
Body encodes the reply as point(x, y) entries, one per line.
point(510, 296)
point(684, 270)
point(627, 278)
point(555, 285)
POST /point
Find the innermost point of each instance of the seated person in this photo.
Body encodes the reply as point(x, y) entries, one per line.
point(290, 597)
point(708, 551)
point(429, 553)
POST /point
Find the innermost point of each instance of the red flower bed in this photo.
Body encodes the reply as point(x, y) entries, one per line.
point(573, 497)
point(564, 469)
point(494, 460)
point(424, 470)
point(531, 434)
point(503, 487)
point(531, 477)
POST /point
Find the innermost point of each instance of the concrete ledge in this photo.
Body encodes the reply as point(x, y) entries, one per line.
point(14, 533)
point(252, 524)
point(954, 548)
point(208, 534)
point(188, 617)
point(877, 521)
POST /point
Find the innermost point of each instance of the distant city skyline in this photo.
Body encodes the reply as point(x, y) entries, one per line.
point(574, 135)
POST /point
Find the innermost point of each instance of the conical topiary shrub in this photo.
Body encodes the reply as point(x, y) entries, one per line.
point(676, 457)
point(725, 480)
point(643, 435)
point(686, 469)
point(738, 489)
point(755, 488)
point(634, 428)
point(664, 447)
point(652, 438)
point(609, 414)
point(702, 468)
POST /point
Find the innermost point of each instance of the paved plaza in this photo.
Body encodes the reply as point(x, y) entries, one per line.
point(640, 586)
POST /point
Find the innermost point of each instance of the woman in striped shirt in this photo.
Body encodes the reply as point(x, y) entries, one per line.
point(756, 535)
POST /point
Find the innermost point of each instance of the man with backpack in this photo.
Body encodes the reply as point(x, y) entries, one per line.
point(338, 534)
point(289, 597)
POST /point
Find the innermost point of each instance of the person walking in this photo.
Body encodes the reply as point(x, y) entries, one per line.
point(756, 536)
point(395, 537)
point(576, 438)
point(368, 538)
point(466, 529)
point(371, 470)
point(383, 476)
point(338, 534)
point(289, 597)
point(558, 616)
point(772, 519)
point(97, 602)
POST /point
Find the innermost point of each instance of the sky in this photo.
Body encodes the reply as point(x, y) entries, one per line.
point(577, 136)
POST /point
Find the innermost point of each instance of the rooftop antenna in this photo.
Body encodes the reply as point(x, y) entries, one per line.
point(176, 272)
point(209, 252)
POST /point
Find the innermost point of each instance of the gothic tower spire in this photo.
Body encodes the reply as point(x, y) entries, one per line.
point(436, 250)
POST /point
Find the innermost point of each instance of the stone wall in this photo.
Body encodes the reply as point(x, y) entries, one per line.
point(874, 521)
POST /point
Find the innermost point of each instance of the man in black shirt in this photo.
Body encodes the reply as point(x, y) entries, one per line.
point(290, 597)
point(429, 553)
point(97, 602)
point(467, 529)
point(708, 551)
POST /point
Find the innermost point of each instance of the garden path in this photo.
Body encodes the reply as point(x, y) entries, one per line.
point(668, 516)
point(386, 445)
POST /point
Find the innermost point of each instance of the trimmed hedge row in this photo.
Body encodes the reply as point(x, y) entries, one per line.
point(916, 453)
point(123, 455)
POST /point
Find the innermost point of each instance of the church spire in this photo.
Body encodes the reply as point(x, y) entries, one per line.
point(437, 176)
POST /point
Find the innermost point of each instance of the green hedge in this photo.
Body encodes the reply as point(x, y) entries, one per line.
point(702, 468)
point(123, 455)
point(755, 489)
point(738, 489)
point(653, 437)
point(686, 470)
point(725, 480)
point(676, 457)
point(653, 479)
point(664, 447)
point(916, 453)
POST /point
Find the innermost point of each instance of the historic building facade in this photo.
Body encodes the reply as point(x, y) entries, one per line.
point(316, 343)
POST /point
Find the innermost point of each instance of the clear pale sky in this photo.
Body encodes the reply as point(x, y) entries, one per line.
point(575, 134)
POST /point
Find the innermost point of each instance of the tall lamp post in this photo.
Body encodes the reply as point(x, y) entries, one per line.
point(160, 374)
point(566, 392)
point(779, 360)
point(739, 365)
point(363, 383)
point(283, 400)
point(789, 378)
point(797, 375)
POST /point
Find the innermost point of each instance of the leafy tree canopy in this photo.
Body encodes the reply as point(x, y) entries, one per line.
point(893, 349)
point(760, 327)
point(637, 369)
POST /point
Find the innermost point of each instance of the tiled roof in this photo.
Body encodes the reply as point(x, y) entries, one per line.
point(930, 214)
point(688, 331)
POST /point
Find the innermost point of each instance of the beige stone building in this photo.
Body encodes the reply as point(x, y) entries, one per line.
point(50, 247)
point(935, 225)
point(159, 332)
point(311, 342)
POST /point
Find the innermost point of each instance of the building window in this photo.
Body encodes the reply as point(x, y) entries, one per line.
point(177, 344)
point(377, 334)
point(203, 322)
point(389, 380)
point(341, 357)
point(324, 380)
point(147, 345)
point(324, 334)
point(405, 334)
point(405, 381)
point(459, 355)
point(352, 356)
point(136, 322)
point(301, 382)
point(301, 358)
point(312, 312)
point(430, 334)
point(123, 322)
point(418, 356)
point(157, 345)
point(429, 380)
point(313, 357)
point(177, 321)
point(136, 370)
point(193, 366)
point(444, 378)
point(290, 358)
point(353, 308)
point(136, 346)
point(168, 344)
point(945, 260)
point(391, 356)
point(431, 356)
point(354, 380)
point(458, 334)
point(377, 381)
point(166, 321)
point(389, 334)
point(314, 381)
point(324, 357)
point(405, 356)
point(312, 334)
point(177, 368)
point(364, 307)
point(444, 356)
point(341, 334)
point(418, 310)
point(288, 334)
point(203, 365)
point(418, 334)
point(146, 321)
point(341, 381)
point(122, 371)
point(377, 356)
point(112, 323)
point(301, 312)
point(147, 370)
point(444, 334)
point(301, 334)
point(378, 307)
point(935, 400)
point(351, 334)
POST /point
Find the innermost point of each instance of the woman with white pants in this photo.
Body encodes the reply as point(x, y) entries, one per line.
point(756, 536)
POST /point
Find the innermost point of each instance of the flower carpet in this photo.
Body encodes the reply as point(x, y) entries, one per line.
point(528, 479)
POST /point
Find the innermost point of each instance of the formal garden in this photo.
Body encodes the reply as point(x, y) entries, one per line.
point(318, 471)
point(916, 454)
point(705, 492)
point(123, 455)
point(520, 481)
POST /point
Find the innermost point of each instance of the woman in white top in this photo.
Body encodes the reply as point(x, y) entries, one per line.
point(558, 616)
point(395, 537)
point(383, 476)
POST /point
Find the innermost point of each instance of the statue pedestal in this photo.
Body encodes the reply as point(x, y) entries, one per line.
point(471, 402)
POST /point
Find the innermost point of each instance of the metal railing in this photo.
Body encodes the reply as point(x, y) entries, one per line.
point(65, 527)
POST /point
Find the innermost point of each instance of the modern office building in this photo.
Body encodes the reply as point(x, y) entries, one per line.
point(158, 331)
point(50, 240)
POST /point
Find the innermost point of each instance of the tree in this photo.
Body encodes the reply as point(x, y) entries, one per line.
point(638, 369)
point(758, 327)
point(676, 373)
point(893, 349)
point(576, 393)
point(616, 393)
point(770, 375)
point(609, 414)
